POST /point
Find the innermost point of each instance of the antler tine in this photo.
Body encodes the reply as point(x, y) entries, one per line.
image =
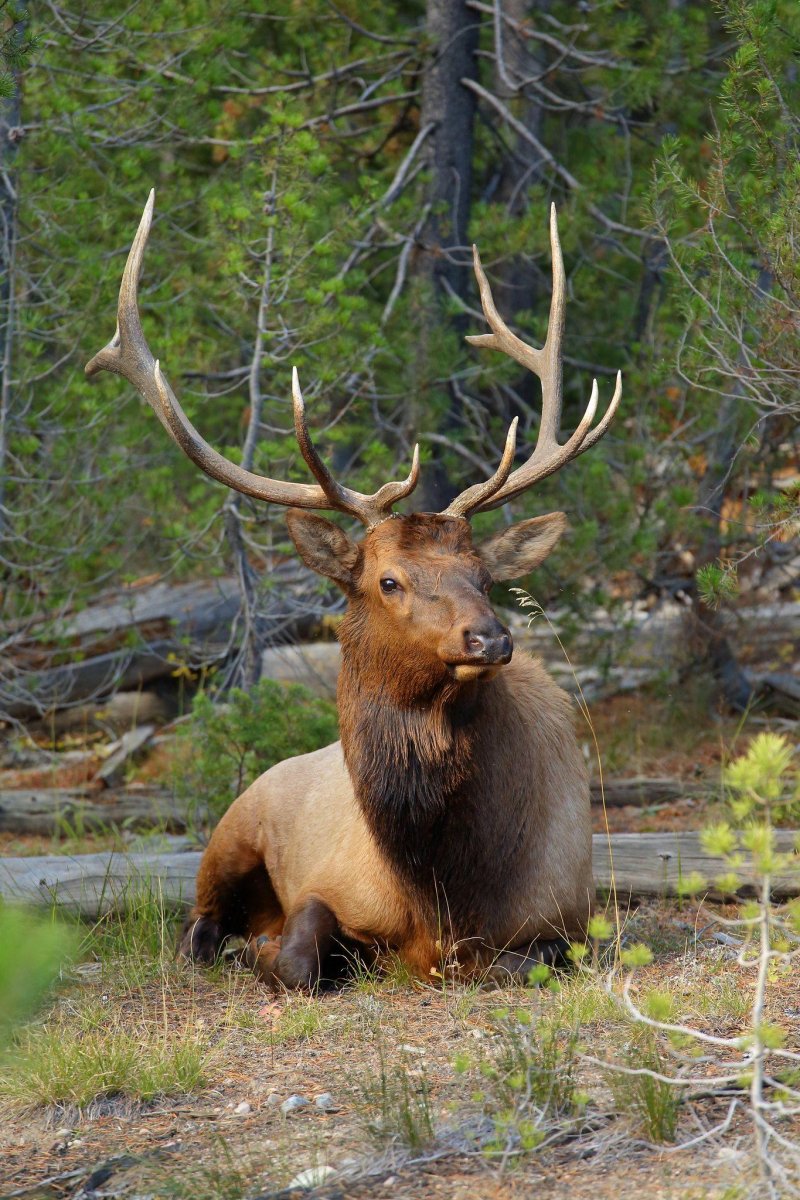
point(129, 355)
point(471, 500)
point(548, 456)
point(369, 509)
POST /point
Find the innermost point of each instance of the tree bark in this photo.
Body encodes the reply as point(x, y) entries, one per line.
point(452, 29)
point(10, 132)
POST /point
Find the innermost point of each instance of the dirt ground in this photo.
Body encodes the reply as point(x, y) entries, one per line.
point(230, 1138)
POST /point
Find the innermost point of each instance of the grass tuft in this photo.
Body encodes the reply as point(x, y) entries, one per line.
point(396, 1104)
point(78, 1058)
point(653, 1103)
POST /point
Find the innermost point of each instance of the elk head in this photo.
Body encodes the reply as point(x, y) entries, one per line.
point(417, 585)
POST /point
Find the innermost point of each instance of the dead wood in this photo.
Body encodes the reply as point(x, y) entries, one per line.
point(92, 884)
point(642, 791)
point(654, 864)
point(644, 864)
point(53, 811)
point(130, 745)
point(141, 635)
point(138, 636)
point(50, 811)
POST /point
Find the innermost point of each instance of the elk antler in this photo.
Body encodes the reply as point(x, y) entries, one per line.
point(548, 456)
point(128, 354)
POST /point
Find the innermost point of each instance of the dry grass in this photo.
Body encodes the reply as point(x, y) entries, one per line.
point(150, 1059)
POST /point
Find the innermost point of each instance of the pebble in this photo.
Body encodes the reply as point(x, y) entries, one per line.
point(326, 1102)
point(273, 1098)
point(312, 1177)
point(244, 1109)
point(293, 1103)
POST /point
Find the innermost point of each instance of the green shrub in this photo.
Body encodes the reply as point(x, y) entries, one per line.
point(32, 952)
point(528, 1080)
point(651, 1101)
point(229, 745)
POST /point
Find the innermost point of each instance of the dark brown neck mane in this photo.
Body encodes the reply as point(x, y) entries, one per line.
point(419, 774)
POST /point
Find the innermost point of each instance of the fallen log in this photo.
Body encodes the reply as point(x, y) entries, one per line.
point(643, 791)
point(59, 811)
point(141, 635)
point(52, 811)
point(93, 884)
point(130, 745)
point(315, 665)
point(636, 864)
point(656, 864)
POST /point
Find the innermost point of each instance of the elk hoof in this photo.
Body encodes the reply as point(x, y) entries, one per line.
point(260, 954)
point(201, 940)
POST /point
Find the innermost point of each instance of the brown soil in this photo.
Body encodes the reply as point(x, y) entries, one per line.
point(197, 1146)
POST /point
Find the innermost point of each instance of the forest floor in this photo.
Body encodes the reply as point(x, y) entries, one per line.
point(149, 1078)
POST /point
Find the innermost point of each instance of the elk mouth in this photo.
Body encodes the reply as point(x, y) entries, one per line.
point(483, 658)
point(466, 672)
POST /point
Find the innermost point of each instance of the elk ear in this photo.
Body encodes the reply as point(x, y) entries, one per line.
point(519, 548)
point(323, 546)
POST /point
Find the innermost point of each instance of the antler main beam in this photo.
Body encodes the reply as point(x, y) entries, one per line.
point(129, 355)
point(548, 455)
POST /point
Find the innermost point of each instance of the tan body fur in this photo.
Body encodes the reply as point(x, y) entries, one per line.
point(302, 821)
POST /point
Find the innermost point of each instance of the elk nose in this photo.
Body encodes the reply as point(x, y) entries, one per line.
point(490, 646)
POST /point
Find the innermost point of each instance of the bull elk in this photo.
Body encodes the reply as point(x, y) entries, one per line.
point(453, 816)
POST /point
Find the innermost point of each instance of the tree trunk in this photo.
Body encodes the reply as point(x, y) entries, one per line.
point(517, 58)
point(10, 132)
point(444, 264)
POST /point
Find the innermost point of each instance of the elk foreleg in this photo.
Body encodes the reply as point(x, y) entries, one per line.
point(235, 896)
point(296, 958)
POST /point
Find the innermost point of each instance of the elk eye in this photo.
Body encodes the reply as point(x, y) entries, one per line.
point(388, 584)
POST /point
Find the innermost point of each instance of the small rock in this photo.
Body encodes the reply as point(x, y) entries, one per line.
point(88, 970)
point(244, 1109)
point(312, 1177)
point(411, 1049)
point(62, 1133)
point(326, 1102)
point(293, 1104)
point(273, 1098)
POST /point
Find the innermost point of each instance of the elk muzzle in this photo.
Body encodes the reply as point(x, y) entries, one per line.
point(477, 650)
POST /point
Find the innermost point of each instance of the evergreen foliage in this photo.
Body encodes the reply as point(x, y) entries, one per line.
point(226, 748)
point(292, 169)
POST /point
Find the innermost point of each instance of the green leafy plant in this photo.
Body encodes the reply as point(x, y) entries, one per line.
point(528, 1080)
point(652, 1100)
point(762, 787)
point(396, 1103)
point(227, 746)
point(33, 950)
